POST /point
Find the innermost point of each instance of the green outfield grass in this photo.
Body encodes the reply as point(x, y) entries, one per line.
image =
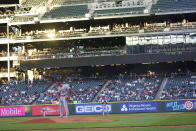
point(149, 129)
point(119, 120)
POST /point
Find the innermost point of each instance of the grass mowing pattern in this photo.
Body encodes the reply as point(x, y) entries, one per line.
point(147, 129)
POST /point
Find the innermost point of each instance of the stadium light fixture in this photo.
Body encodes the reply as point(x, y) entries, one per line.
point(51, 35)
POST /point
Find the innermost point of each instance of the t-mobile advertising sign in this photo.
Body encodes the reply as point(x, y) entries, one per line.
point(49, 110)
point(12, 111)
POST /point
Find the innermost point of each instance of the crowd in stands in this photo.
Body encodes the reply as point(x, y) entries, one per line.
point(127, 88)
point(180, 87)
point(120, 88)
point(83, 90)
point(22, 92)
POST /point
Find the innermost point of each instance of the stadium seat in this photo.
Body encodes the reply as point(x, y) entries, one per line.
point(179, 87)
point(131, 89)
point(22, 93)
point(82, 90)
point(119, 11)
point(173, 5)
point(66, 2)
point(67, 11)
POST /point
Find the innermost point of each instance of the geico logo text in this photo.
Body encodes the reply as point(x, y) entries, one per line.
point(92, 108)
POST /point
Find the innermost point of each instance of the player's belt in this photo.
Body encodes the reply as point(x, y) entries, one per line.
point(62, 95)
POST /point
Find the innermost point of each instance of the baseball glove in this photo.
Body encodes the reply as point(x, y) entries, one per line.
point(67, 98)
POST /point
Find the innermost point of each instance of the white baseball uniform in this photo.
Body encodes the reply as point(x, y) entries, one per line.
point(104, 105)
point(64, 92)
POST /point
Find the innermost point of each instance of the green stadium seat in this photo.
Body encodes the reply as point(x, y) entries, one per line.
point(67, 11)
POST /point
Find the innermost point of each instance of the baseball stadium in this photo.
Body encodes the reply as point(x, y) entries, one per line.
point(89, 65)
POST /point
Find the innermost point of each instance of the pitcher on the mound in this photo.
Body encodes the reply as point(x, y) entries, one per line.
point(64, 93)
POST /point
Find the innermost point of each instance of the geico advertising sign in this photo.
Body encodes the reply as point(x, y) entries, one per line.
point(92, 108)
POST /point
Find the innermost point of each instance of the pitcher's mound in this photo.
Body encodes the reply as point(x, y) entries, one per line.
point(63, 120)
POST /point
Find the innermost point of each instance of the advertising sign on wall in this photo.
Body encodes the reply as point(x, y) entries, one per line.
point(195, 105)
point(138, 107)
point(12, 111)
point(49, 110)
point(92, 108)
point(179, 105)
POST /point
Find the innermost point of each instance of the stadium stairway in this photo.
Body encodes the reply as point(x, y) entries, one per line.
point(162, 86)
point(53, 85)
point(104, 86)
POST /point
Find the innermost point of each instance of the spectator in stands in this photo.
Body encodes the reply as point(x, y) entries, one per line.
point(194, 94)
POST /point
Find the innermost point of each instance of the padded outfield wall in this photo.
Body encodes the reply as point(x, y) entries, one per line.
point(188, 105)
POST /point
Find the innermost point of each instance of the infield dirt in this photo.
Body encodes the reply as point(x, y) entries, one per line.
point(63, 120)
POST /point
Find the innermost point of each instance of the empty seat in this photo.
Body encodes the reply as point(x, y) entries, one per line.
point(173, 5)
point(120, 11)
point(68, 11)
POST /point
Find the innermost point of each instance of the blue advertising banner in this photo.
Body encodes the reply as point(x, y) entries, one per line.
point(92, 108)
point(194, 105)
point(180, 105)
point(138, 107)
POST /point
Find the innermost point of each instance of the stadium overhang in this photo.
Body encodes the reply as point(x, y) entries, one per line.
point(109, 60)
point(176, 12)
point(119, 16)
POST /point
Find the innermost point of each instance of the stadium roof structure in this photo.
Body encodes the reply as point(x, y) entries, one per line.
point(7, 5)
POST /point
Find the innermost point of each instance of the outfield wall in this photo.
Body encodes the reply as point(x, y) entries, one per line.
point(97, 108)
point(137, 107)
